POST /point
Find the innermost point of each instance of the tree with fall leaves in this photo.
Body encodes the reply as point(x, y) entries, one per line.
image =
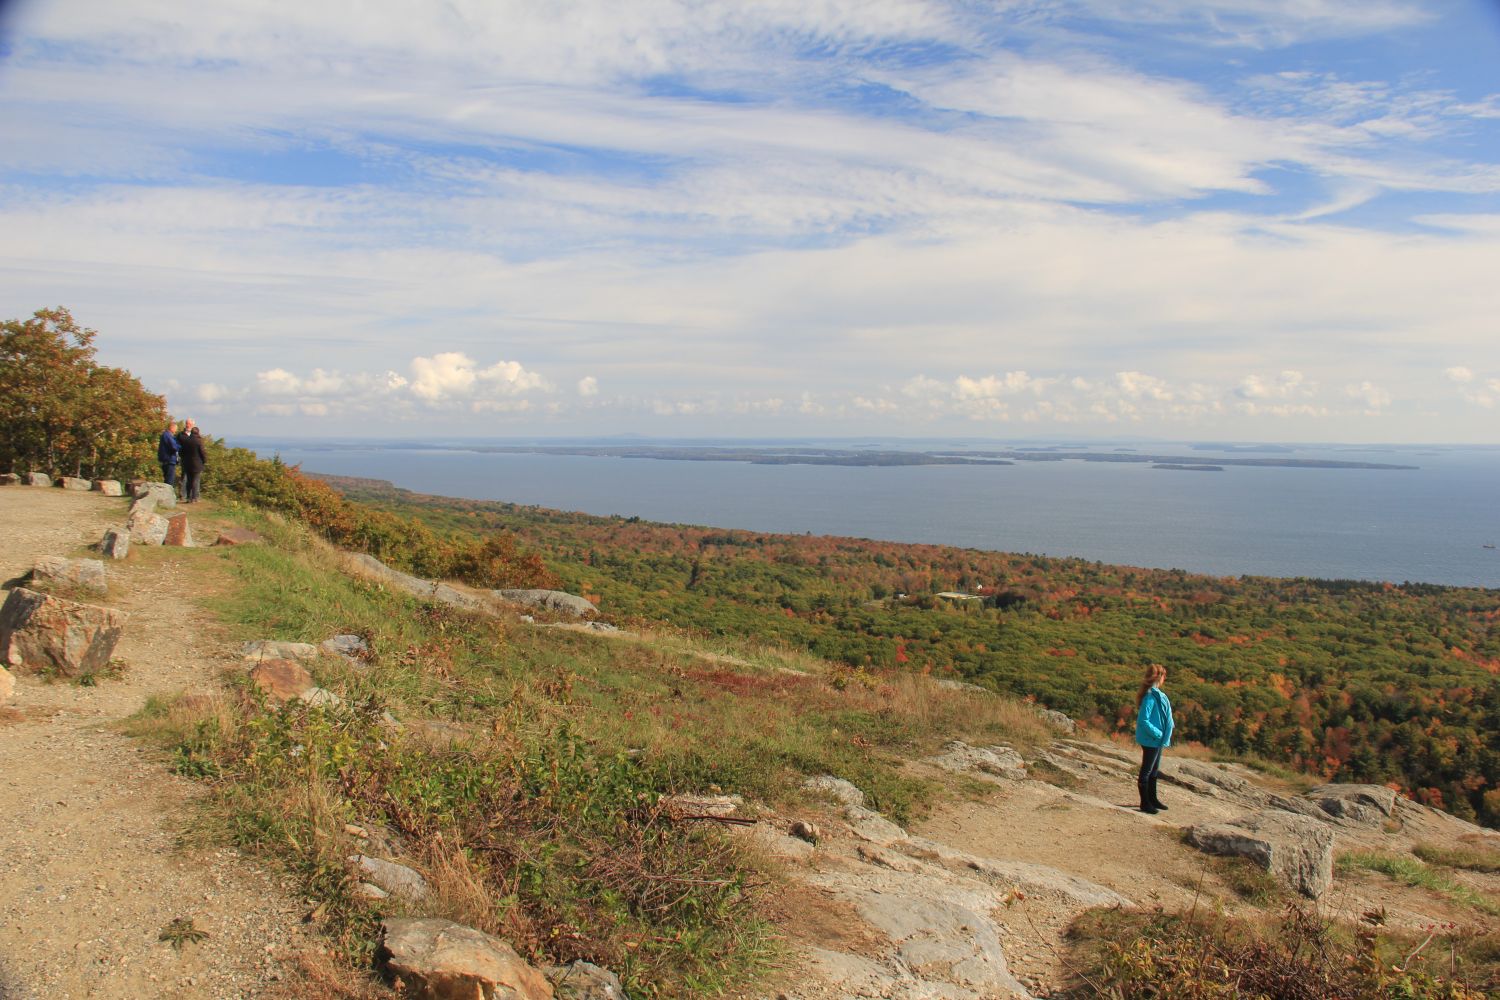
point(61, 413)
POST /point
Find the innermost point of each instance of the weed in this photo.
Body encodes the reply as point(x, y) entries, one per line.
point(181, 931)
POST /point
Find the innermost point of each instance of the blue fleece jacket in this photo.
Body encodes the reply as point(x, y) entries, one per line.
point(1153, 724)
point(167, 449)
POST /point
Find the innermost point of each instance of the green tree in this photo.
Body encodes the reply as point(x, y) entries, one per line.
point(62, 413)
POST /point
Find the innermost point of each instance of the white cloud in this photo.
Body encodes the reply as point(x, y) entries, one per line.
point(1458, 373)
point(588, 386)
point(1373, 396)
point(210, 392)
point(442, 376)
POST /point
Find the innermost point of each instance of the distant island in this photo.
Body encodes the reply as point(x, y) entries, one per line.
point(859, 457)
point(1188, 468)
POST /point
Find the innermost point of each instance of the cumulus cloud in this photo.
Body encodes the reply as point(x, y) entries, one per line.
point(1458, 373)
point(454, 375)
point(1371, 395)
point(588, 386)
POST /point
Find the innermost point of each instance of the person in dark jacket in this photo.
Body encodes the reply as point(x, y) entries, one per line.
point(1153, 731)
point(167, 450)
point(194, 461)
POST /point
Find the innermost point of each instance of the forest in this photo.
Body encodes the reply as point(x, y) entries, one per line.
point(1351, 680)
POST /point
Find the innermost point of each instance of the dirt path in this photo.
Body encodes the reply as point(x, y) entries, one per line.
point(90, 868)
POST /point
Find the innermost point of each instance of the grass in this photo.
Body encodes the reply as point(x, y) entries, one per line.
point(1474, 859)
point(1296, 955)
point(1413, 872)
point(525, 781)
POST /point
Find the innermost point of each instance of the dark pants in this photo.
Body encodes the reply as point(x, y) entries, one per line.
point(191, 478)
point(169, 474)
point(1150, 767)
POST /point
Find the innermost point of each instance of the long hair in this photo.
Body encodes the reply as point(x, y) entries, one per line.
point(1155, 674)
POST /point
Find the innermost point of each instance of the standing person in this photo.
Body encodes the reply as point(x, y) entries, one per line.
point(186, 432)
point(1153, 731)
point(167, 450)
point(194, 461)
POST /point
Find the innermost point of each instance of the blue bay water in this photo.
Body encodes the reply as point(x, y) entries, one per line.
point(1426, 525)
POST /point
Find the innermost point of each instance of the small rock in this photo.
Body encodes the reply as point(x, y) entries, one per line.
point(582, 980)
point(238, 536)
point(74, 483)
point(718, 806)
point(162, 493)
point(9, 479)
point(281, 680)
point(42, 632)
point(7, 685)
point(276, 649)
point(370, 891)
point(321, 698)
point(436, 959)
point(116, 543)
point(85, 574)
point(147, 528)
point(350, 647)
point(179, 532)
point(803, 830)
point(38, 479)
point(354, 830)
point(395, 879)
point(108, 487)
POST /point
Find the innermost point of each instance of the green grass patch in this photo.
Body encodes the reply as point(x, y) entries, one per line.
point(1474, 859)
point(1413, 872)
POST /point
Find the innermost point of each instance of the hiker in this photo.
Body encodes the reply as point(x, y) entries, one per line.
point(194, 461)
point(1153, 731)
point(167, 450)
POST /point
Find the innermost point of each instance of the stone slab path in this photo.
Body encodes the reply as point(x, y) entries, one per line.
point(90, 820)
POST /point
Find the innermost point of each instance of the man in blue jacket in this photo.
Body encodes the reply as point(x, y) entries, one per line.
point(167, 450)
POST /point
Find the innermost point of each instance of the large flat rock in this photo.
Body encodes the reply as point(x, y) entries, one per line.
point(435, 959)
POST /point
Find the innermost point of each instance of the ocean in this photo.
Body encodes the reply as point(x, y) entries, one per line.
point(1429, 524)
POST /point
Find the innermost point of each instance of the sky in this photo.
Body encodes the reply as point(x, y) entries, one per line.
point(1258, 220)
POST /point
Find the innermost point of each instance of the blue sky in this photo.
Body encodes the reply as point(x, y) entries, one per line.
point(1229, 219)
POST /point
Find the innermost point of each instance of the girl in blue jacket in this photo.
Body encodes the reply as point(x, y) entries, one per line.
point(1153, 731)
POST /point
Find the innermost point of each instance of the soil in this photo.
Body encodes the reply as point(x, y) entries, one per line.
point(92, 864)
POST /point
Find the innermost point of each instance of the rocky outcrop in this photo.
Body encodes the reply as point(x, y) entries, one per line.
point(435, 959)
point(38, 479)
point(82, 574)
point(75, 483)
point(7, 685)
point(996, 763)
point(393, 879)
point(9, 479)
point(45, 633)
point(116, 543)
point(549, 600)
point(866, 824)
point(1298, 850)
point(427, 590)
point(585, 981)
point(108, 487)
point(1375, 797)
